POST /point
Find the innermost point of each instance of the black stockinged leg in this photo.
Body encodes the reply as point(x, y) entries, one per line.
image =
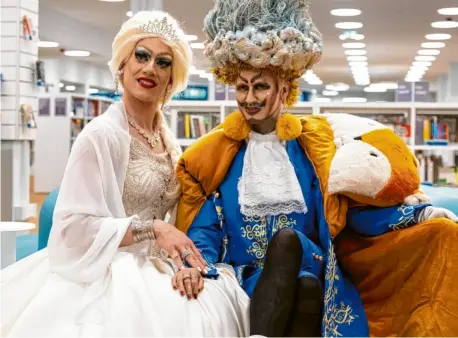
point(307, 312)
point(274, 294)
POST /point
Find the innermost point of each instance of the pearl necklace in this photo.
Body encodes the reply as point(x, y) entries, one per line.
point(153, 140)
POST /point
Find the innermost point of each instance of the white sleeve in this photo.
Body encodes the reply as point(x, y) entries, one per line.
point(86, 234)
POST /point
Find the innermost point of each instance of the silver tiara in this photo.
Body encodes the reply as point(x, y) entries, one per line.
point(162, 28)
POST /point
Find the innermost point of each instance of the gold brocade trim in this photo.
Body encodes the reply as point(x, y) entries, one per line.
point(257, 233)
point(334, 315)
point(281, 222)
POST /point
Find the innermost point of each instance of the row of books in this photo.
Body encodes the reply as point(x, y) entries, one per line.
point(437, 130)
point(196, 125)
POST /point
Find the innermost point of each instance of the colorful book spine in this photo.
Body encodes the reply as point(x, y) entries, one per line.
point(187, 126)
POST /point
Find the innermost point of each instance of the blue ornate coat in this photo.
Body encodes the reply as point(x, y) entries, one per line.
point(226, 236)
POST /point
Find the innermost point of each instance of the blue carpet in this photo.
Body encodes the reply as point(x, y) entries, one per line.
point(26, 245)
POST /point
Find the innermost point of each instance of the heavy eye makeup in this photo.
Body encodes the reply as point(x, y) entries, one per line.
point(258, 87)
point(163, 62)
point(144, 56)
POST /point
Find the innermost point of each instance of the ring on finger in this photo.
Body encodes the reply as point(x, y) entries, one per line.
point(185, 254)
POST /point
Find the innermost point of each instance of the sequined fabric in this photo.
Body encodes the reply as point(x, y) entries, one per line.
point(150, 190)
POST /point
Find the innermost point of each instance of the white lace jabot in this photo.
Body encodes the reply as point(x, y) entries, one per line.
point(269, 185)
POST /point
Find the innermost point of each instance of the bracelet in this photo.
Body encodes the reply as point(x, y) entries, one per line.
point(141, 230)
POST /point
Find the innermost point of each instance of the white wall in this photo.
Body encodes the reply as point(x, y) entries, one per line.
point(70, 70)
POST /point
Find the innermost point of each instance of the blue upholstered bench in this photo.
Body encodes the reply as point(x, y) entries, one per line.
point(31, 243)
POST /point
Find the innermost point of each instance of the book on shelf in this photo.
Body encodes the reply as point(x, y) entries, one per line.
point(76, 127)
point(435, 130)
point(196, 125)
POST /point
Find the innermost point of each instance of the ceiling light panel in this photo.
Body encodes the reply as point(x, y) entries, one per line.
point(353, 45)
point(438, 37)
point(357, 58)
point(425, 58)
point(432, 45)
point(444, 24)
point(448, 11)
point(349, 25)
point(355, 52)
point(429, 52)
point(345, 12)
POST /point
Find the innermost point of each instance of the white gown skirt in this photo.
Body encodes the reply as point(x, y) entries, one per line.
point(136, 299)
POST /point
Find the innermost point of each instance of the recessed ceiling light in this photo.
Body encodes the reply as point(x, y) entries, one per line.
point(93, 90)
point(432, 45)
point(356, 52)
point(438, 36)
point(421, 63)
point(338, 87)
point(351, 36)
point(315, 83)
point(444, 24)
point(357, 58)
point(47, 44)
point(351, 45)
point(349, 25)
point(197, 45)
point(330, 93)
point(322, 99)
point(130, 14)
point(190, 37)
point(448, 11)
point(358, 64)
point(354, 99)
point(429, 52)
point(425, 58)
point(70, 88)
point(345, 12)
point(61, 85)
point(77, 53)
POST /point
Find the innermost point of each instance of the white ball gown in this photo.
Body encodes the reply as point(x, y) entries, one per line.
point(134, 297)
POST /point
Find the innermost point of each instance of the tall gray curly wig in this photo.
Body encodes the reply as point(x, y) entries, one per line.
point(275, 34)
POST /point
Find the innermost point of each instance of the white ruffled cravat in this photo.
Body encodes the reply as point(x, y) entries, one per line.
point(269, 185)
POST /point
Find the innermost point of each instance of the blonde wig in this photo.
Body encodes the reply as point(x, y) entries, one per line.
point(147, 24)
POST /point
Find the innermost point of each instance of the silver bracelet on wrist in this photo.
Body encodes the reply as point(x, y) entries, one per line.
point(141, 230)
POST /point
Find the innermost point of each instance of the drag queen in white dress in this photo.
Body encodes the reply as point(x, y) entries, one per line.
point(111, 256)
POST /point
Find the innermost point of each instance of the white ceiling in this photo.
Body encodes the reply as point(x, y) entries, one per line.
point(393, 29)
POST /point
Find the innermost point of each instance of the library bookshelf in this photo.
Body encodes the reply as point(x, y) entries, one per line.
point(191, 119)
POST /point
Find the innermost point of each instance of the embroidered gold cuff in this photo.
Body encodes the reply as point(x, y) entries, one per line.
point(141, 230)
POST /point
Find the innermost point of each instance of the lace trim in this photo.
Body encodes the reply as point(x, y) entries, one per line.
point(269, 185)
point(261, 210)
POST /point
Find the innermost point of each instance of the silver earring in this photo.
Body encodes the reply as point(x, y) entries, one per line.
point(116, 80)
point(168, 89)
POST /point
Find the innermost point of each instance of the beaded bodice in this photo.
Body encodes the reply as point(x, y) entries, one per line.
point(150, 187)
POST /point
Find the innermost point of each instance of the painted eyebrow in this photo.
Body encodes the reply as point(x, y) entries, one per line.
point(151, 52)
point(256, 77)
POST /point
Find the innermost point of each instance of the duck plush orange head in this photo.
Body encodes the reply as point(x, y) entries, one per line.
point(372, 165)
